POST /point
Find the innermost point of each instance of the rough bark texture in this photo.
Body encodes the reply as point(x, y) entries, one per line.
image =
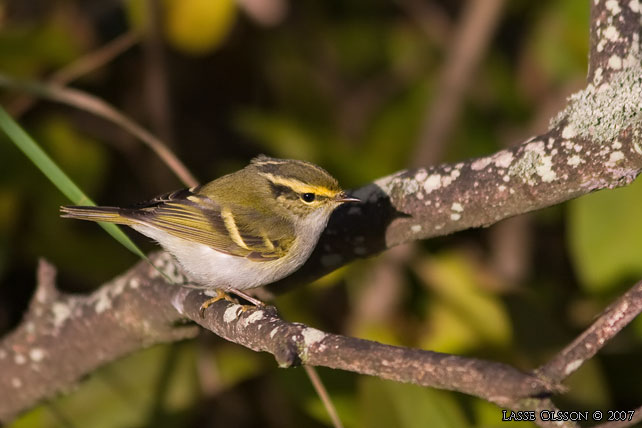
point(595, 143)
point(64, 337)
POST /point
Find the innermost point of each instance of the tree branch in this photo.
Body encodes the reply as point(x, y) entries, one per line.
point(594, 143)
point(614, 318)
point(261, 329)
point(64, 337)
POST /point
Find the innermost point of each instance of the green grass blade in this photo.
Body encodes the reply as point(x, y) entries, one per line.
point(49, 168)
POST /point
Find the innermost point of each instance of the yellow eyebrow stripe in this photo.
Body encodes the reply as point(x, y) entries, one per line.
point(233, 230)
point(299, 186)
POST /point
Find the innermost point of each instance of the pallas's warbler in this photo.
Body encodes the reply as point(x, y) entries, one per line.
point(240, 231)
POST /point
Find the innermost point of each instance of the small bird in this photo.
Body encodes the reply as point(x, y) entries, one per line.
point(240, 231)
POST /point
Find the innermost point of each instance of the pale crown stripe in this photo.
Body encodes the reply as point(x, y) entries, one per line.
point(268, 162)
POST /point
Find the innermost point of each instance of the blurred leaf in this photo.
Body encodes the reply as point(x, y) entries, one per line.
point(27, 50)
point(463, 315)
point(48, 167)
point(588, 388)
point(388, 404)
point(122, 394)
point(560, 40)
point(489, 415)
point(280, 135)
point(383, 332)
point(500, 98)
point(236, 364)
point(199, 26)
point(636, 325)
point(409, 51)
point(137, 14)
point(80, 156)
point(358, 45)
point(605, 236)
point(36, 418)
point(393, 133)
point(448, 331)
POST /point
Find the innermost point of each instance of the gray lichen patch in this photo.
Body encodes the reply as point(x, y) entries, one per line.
point(613, 7)
point(168, 267)
point(572, 366)
point(533, 163)
point(61, 312)
point(37, 354)
point(102, 299)
point(254, 317)
point(421, 184)
point(501, 159)
point(311, 337)
point(601, 112)
point(232, 313)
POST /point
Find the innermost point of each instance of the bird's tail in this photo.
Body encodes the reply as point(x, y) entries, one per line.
point(104, 214)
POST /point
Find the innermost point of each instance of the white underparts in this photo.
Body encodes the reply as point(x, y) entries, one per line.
point(213, 269)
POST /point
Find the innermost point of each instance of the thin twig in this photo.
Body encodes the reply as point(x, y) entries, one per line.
point(96, 59)
point(323, 395)
point(614, 318)
point(87, 102)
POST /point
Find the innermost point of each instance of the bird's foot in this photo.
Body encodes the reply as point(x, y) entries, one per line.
point(222, 295)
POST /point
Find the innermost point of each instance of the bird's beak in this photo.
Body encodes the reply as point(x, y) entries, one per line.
point(343, 197)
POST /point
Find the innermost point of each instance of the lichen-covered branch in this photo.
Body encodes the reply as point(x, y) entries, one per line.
point(64, 337)
point(261, 329)
point(594, 143)
point(614, 43)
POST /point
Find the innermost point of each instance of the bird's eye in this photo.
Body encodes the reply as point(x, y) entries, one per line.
point(308, 197)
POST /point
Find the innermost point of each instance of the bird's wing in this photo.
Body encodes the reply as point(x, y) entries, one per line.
point(229, 229)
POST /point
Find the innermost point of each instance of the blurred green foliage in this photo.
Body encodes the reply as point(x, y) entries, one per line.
point(605, 238)
point(390, 404)
point(345, 84)
point(52, 171)
point(462, 315)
